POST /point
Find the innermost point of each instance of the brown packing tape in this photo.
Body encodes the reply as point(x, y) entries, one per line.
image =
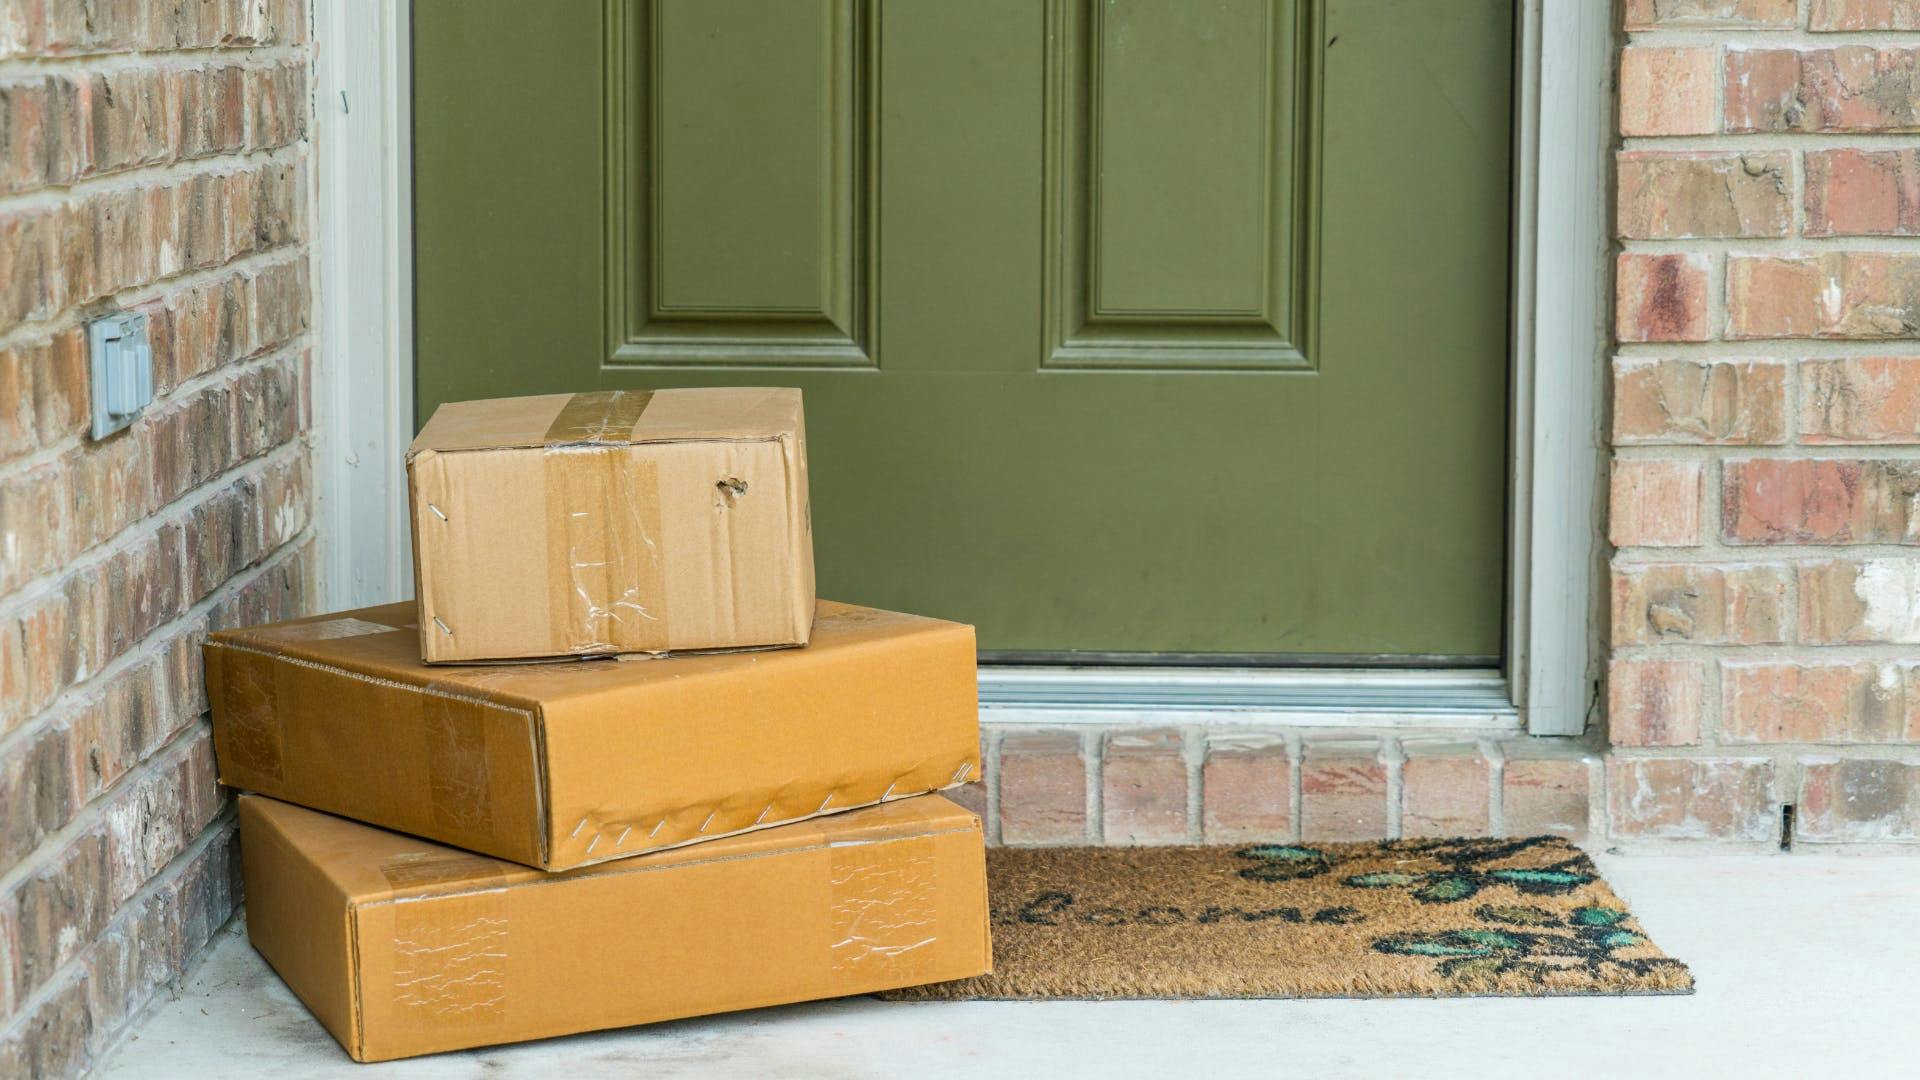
point(601, 417)
point(456, 740)
point(613, 581)
point(886, 913)
point(255, 742)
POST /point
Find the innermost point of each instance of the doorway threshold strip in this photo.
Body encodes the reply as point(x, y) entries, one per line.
point(1400, 918)
point(1349, 698)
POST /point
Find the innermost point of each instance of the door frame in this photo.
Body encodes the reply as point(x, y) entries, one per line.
point(1548, 684)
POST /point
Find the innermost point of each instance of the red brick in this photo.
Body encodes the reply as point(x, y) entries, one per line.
point(1247, 790)
point(1709, 14)
point(1667, 91)
point(53, 1037)
point(1854, 192)
point(1821, 501)
point(1687, 402)
point(62, 906)
point(1860, 400)
point(1043, 788)
point(1691, 798)
point(1655, 503)
point(1343, 791)
point(1860, 601)
point(1864, 15)
point(1661, 297)
point(1847, 294)
point(1767, 701)
point(1701, 603)
point(9, 962)
point(1444, 790)
point(1858, 800)
point(37, 771)
point(1655, 702)
point(276, 106)
point(1664, 196)
point(1541, 796)
point(1144, 788)
point(1850, 88)
point(33, 287)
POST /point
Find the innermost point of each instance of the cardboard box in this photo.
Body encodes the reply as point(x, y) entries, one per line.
point(404, 947)
point(561, 765)
point(611, 522)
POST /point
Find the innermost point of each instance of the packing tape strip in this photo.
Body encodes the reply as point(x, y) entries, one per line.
point(885, 911)
point(450, 953)
point(248, 713)
point(454, 729)
point(604, 417)
point(603, 530)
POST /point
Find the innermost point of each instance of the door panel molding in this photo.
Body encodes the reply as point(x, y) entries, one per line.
point(779, 301)
point(1114, 300)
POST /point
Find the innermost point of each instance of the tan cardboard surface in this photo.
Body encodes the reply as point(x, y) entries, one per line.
point(404, 947)
point(557, 765)
point(609, 522)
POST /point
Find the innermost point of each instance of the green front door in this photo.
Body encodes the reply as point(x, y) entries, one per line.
point(1129, 326)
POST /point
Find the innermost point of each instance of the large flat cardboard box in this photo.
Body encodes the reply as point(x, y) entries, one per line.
point(564, 764)
point(611, 522)
point(405, 947)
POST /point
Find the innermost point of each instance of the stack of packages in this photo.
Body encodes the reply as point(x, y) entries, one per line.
point(463, 833)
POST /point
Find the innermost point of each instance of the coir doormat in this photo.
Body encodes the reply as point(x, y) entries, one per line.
point(1427, 918)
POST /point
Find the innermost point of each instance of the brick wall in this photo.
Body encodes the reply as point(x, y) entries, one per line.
point(153, 156)
point(1765, 498)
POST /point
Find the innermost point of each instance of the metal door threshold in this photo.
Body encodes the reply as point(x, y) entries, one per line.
point(1456, 700)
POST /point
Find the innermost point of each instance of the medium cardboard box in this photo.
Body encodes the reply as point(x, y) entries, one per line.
point(611, 522)
point(404, 947)
point(564, 764)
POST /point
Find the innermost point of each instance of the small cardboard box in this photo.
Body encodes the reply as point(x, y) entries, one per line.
point(611, 522)
point(561, 765)
point(404, 947)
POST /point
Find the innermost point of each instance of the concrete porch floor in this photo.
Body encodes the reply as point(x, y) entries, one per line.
point(1806, 965)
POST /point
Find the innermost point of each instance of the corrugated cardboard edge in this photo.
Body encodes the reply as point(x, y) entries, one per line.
point(536, 724)
point(782, 823)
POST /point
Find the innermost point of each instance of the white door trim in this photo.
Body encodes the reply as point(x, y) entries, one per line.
point(364, 377)
point(1563, 116)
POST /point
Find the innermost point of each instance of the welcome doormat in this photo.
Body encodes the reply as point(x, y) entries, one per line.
point(1404, 918)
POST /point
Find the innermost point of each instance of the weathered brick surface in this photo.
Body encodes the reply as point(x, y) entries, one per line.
point(1665, 196)
point(1686, 402)
point(1864, 15)
point(1709, 14)
point(1699, 603)
point(1043, 788)
point(1144, 788)
point(1247, 790)
point(1869, 601)
point(1821, 501)
point(1655, 702)
point(1660, 297)
point(149, 159)
point(1727, 799)
point(1841, 294)
point(1656, 503)
point(1444, 790)
point(1865, 400)
point(1547, 795)
point(1856, 192)
point(1343, 791)
point(1858, 800)
point(1667, 91)
point(1848, 88)
point(1771, 701)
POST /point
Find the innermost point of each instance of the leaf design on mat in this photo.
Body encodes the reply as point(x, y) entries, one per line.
point(1586, 939)
point(1283, 862)
point(1447, 888)
point(1540, 882)
point(1382, 879)
point(1517, 915)
point(1597, 916)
